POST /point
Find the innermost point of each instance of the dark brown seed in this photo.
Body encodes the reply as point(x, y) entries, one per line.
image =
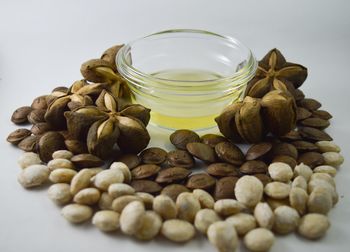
point(37, 116)
point(173, 174)
point(313, 134)
point(49, 143)
point(303, 113)
point(285, 159)
point(304, 146)
point(257, 151)
point(153, 155)
point(18, 135)
point(310, 104)
point(180, 158)
point(20, 115)
point(86, 161)
point(29, 144)
point(298, 95)
point(180, 138)
point(230, 153)
point(131, 160)
point(311, 159)
point(291, 136)
point(200, 181)
point(222, 170)
point(212, 139)
point(263, 178)
point(147, 186)
point(76, 146)
point(60, 89)
point(145, 171)
point(322, 114)
point(39, 102)
point(286, 149)
point(174, 190)
point(315, 123)
point(202, 151)
point(40, 128)
point(225, 188)
point(253, 167)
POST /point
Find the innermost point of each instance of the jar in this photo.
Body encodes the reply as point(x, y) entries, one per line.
point(186, 77)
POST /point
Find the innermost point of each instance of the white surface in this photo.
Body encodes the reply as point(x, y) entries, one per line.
point(43, 43)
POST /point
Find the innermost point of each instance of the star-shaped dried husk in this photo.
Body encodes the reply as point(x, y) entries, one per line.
point(274, 72)
point(226, 122)
point(110, 54)
point(279, 112)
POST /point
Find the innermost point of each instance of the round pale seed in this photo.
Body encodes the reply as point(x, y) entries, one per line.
point(76, 213)
point(333, 158)
point(119, 189)
point(274, 203)
point(259, 239)
point(28, 159)
point(242, 222)
point(204, 198)
point(326, 169)
point(60, 193)
point(121, 202)
point(286, 219)
point(327, 146)
point(124, 169)
point(151, 225)
point(277, 190)
point(62, 154)
point(165, 207)
point(264, 215)
point(298, 199)
point(105, 202)
point(107, 177)
point(59, 163)
point(62, 175)
point(204, 218)
point(178, 230)
point(323, 176)
point(313, 226)
point(80, 180)
point(33, 175)
point(280, 172)
point(320, 201)
point(131, 217)
point(146, 198)
point(319, 183)
point(87, 196)
point(187, 206)
point(223, 236)
point(249, 190)
point(106, 220)
point(300, 182)
point(227, 207)
point(303, 170)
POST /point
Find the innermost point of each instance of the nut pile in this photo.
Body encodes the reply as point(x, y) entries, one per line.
point(94, 156)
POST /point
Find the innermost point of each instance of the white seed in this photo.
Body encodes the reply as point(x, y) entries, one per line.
point(333, 158)
point(95, 171)
point(277, 190)
point(76, 213)
point(323, 176)
point(124, 169)
point(327, 146)
point(131, 217)
point(165, 207)
point(107, 177)
point(259, 239)
point(62, 175)
point(120, 203)
point(187, 206)
point(60, 193)
point(105, 202)
point(204, 218)
point(60, 163)
point(298, 199)
point(87, 196)
point(64, 154)
point(264, 215)
point(319, 183)
point(299, 182)
point(151, 224)
point(204, 198)
point(146, 198)
point(28, 159)
point(226, 207)
point(274, 203)
point(119, 189)
point(178, 230)
point(303, 170)
point(106, 220)
point(242, 222)
point(313, 226)
point(223, 236)
point(280, 172)
point(286, 220)
point(320, 201)
point(33, 175)
point(249, 190)
point(326, 169)
point(80, 180)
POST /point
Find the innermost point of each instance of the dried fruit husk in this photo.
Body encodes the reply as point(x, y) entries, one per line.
point(200, 181)
point(77, 101)
point(279, 112)
point(55, 112)
point(325, 115)
point(131, 160)
point(286, 149)
point(315, 123)
point(309, 104)
point(202, 151)
point(258, 151)
point(212, 139)
point(225, 188)
point(226, 122)
point(86, 161)
point(153, 155)
point(249, 121)
point(314, 135)
point(40, 128)
point(20, 115)
point(18, 135)
point(39, 102)
point(172, 175)
point(302, 113)
point(253, 167)
point(222, 170)
point(29, 144)
point(146, 186)
point(285, 159)
point(76, 146)
point(304, 146)
point(180, 158)
point(97, 70)
point(110, 55)
point(107, 101)
point(137, 111)
point(298, 95)
point(145, 171)
point(37, 116)
point(312, 159)
point(230, 153)
point(49, 143)
point(174, 190)
point(180, 138)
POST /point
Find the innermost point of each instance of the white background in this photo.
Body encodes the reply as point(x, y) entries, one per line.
point(43, 43)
